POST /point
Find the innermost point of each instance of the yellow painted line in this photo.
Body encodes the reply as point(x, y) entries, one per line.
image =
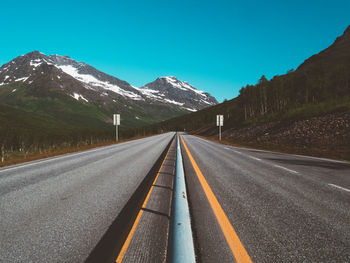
point(230, 234)
point(137, 220)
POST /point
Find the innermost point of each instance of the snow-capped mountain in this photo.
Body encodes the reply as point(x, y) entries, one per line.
point(172, 90)
point(165, 90)
point(36, 75)
point(27, 68)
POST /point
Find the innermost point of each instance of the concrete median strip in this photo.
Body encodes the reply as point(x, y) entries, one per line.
point(181, 242)
point(162, 230)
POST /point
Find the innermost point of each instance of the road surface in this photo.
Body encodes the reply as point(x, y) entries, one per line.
point(284, 208)
point(57, 210)
point(246, 205)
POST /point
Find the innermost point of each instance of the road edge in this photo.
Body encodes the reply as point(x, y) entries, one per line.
point(107, 249)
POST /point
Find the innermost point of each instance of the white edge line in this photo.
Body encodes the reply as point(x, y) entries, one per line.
point(339, 187)
point(275, 165)
point(252, 157)
point(49, 159)
point(63, 156)
point(284, 168)
point(298, 155)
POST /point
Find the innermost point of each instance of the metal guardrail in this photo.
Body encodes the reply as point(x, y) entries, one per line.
point(181, 243)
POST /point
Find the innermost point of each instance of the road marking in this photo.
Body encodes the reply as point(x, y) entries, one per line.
point(252, 157)
point(230, 234)
point(283, 153)
point(227, 148)
point(134, 226)
point(55, 158)
point(284, 168)
point(275, 165)
point(67, 155)
point(339, 187)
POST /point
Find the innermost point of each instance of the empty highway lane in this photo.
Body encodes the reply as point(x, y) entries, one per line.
point(283, 208)
point(56, 210)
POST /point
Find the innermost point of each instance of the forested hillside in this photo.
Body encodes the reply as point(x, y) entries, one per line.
point(317, 91)
point(318, 86)
point(323, 77)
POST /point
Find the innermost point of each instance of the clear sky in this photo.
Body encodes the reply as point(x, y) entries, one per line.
point(217, 46)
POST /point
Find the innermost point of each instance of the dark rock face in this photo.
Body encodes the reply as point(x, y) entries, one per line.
point(326, 136)
point(336, 54)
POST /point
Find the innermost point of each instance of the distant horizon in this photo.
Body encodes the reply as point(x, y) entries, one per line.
point(217, 48)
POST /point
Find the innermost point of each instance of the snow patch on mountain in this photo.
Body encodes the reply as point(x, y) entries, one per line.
point(150, 93)
point(174, 102)
point(189, 109)
point(78, 96)
point(22, 79)
point(183, 85)
point(35, 63)
point(91, 80)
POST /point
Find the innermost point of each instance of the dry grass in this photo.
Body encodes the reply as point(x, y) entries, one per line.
point(61, 151)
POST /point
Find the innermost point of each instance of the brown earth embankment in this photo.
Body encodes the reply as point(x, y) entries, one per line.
point(322, 136)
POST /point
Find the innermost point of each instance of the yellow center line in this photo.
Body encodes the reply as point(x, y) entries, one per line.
point(230, 234)
point(132, 231)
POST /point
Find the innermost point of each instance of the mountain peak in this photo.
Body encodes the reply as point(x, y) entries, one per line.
point(169, 77)
point(35, 54)
point(175, 91)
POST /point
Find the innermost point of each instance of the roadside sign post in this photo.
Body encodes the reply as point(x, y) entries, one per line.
point(219, 122)
point(116, 122)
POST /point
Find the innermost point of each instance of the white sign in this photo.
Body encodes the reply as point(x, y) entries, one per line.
point(219, 120)
point(116, 119)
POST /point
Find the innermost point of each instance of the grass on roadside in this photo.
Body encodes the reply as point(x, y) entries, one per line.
point(17, 157)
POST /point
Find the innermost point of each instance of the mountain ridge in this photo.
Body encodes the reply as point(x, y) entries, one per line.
point(93, 79)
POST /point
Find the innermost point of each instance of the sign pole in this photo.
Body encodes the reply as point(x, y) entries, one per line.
point(116, 122)
point(219, 122)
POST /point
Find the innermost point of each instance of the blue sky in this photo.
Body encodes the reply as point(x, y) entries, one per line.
point(217, 46)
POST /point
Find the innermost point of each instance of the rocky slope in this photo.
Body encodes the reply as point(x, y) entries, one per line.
point(324, 136)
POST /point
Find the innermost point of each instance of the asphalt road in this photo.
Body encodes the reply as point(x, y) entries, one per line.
point(56, 210)
point(284, 208)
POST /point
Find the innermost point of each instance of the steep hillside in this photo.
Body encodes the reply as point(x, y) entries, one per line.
point(303, 111)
